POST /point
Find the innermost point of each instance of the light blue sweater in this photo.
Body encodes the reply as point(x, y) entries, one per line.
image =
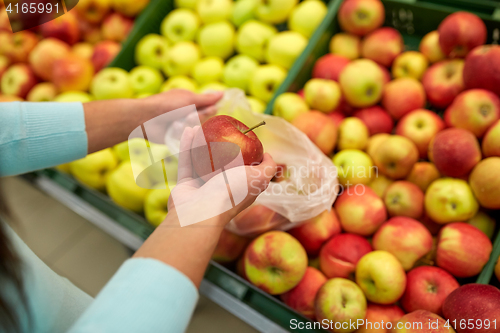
point(145, 295)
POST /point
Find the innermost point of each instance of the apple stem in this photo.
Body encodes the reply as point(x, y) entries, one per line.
point(254, 127)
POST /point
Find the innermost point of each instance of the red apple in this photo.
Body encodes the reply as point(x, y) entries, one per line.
point(423, 174)
point(491, 141)
point(116, 27)
point(44, 55)
point(460, 32)
point(339, 256)
point(377, 317)
point(403, 198)
point(104, 53)
point(19, 46)
point(315, 231)
point(455, 152)
point(319, 128)
point(462, 250)
point(402, 96)
point(329, 67)
point(394, 156)
point(376, 119)
point(18, 80)
point(443, 82)
point(229, 247)
point(93, 11)
point(426, 289)
point(422, 321)
point(64, 27)
point(482, 68)
point(72, 73)
point(382, 46)
point(360, 17)
point(255, 220)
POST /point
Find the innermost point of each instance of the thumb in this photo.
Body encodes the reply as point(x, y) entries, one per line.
point(205, 100)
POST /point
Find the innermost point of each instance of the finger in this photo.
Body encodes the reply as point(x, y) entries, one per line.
point(204, 100)
point(184, 170)
point(268, 166)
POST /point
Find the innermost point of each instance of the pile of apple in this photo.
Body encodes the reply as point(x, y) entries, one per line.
point(56, 61)
point(420, 193)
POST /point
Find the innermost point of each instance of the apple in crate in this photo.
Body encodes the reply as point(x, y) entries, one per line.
point(361, 17)
point(284, 48)
point(403, 95)
point(93, 169)
point(238, 71)
point(319, 128)
point(430, 48)
point(156, 205)
point(275, 262)
point(179, 82)
point(483, 222)
point(214, 11)
point(403, 198)
point(395, 156)
point(229, 247)
point(423, 174)
point(42, 92)
point(376, 119)
point(354, 167)
point(64, 27)
point(274, 11)
point(17, 47)
point(422, 321)
point(362, 81)
point(104, 53)
point(380, 184)
point(44, 55)
point(208, 70)
point(72, 73)
point(18, 80)
point(289, 105)
point(460, 32)
point(443, 81)
point(243, 11)
point(253, 37)
point(353, 134)
point(378, 316)
point(217, 39)
point(306, 17)
point(93, 11)
point(73, 96)
point(180, 25)
point(491, 141)
point(116, 27)
point(111, 83)
point(410, 64)
point(257, 219)
point(477, 303)
point(265, 80)
point(481, 68)
point(329, 66)
point(485, 182)
point(151, 51)
point(382, 46)
point(129, 8)
point(322, 95)
point(346, 45)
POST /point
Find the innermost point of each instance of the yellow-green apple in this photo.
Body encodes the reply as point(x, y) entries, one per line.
point(476, 303)
point(275, 262)
point(478, 69)
point(181, 58)
point(44, 55)
point(361, 17)
point(243, 10)
point(322, 95)
point(376, 119)
point(474, 110)
point(374, 142)
point(423, 174)
point(284, 47)
point(319, 128)
point(430, 48)
point(289, 105)
point(274, 11)
point(72, 73)
point(483, 222)
point(362, 81)
point(314, 232)
point(354, 167)
point(378, 316)
point(382, 46)
point(395, 156)
point(18, 80)
point(426, 289)
point(306, 17)
point(256, 105)
point(19, 45)
point(4, 64)
point(179, 82)
point(94, 169)
point(402, 96)
point(407, 239)
point(301, 298)
point(449, 200)
point(65, 28)
point(253, 37)
point(257, 219)
point(360, 210)
point(211, 11)
point(485, 182)
point(211, 87)
point(380, 184)
point(455, 152)
point(421, 321)
point(217, 39)
point(340, 301)
point(151, 51)
point(265, 80)
point(180, 25)
point(491, 141)
point(229, 247)
point(73, 96)
point(460, 32)
point(116, 27)
point(403, 198)
point(238, 71)
point(93, 11)
point(340, 254)
point(381, 277)
point(410, 64)
point(208, 70)
point(145, 79)
point(156, 205)
point(111, 83)
point(462, 249)
point(329, 66)
point(190, 4)
point(83, 50)
point(130, 8)
point(443, 81)
point(42, 92)
point(346, 45)
point(353, 134)
point(420, 126)
point(104, 53)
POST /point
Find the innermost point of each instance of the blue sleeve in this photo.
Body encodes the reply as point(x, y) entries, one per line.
point(34, 136)
point(145, 295)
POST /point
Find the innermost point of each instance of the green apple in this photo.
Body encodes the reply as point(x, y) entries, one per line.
point(353, 134)
point(274, 11)
point(93, 169)
point(73, 96)
point(253, 37)
point(289, 105)
point(208, 70)
point(42, 92)
point(307, 16)
point(181, 58)
point(152, 51)
point(322, 95)
point(111, 83)
point(143, 95)
point(211, 11)
point(284, 48)
point(238, 71)
point(354, 167)
point(179, 82)
point(256, 105)
point(217, 39)
point(156, 206)
point(362, 82)
point(265, 80)
point(450, 200)
point(145, 79)
point(243, 10)
point(189, 4)
point(180, 25)
point(212, 86)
